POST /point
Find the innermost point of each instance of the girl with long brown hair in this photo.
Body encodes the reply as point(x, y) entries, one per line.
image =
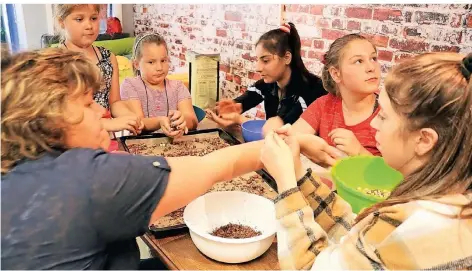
point(424, 131)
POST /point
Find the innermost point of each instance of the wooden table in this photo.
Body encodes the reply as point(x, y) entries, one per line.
point(178, 252)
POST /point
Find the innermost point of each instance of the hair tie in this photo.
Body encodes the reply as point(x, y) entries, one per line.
point(466, 66)
point(285, 27)
point(323, 60)
point(141, 38)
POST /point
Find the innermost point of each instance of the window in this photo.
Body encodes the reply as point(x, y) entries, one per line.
point(110, 10)
point(10, 27)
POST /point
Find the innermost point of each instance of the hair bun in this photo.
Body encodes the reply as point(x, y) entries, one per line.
point(466, 66)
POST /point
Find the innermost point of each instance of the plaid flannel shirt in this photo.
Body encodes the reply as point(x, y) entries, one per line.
point(315, 231)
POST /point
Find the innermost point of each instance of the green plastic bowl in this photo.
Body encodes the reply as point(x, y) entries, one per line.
point(365, 172)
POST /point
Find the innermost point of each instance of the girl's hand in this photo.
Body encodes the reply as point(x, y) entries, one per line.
point(165, 124)
point(346, 141)
point(140, 127)
point(130, 123)
point(277, 158)
point(178, 122)
point(285, 131)
point(317, 150)
point(225, 120)
point(227, 106)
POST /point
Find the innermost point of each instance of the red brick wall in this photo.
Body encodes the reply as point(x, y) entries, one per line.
point(399, 31)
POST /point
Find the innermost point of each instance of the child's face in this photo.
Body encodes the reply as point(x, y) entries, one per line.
point(270, 66)
point(394, 141)
point(82, 25)
point(88, 133)
point(359, 70)
point(154, 63)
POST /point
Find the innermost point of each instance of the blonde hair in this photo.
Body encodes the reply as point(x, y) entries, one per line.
point(61, 11)
point(145, 38)
point(332, 58)
point(434, 91)
point(35, 89)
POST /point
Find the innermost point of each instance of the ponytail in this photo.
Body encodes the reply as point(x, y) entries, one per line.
point(286, 38)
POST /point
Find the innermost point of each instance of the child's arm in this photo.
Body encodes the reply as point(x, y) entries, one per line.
point(118, 108)
point(186, 108)
point(308, 212)
point(184, 105)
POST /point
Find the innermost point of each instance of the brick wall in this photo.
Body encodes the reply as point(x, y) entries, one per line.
point(399, 31)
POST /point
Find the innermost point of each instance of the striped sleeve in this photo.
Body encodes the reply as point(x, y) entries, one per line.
point(329, 210)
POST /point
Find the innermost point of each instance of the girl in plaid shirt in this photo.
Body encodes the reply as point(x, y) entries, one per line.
point(424, 131)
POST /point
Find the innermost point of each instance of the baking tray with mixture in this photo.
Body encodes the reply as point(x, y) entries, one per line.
point(196, 143)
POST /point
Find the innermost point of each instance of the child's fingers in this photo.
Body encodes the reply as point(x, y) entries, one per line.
point(333, 132)
point(279, 141)
point(270, 140)
point(339, 141)
point(174, 134)
point(342, 148)
point(166, 125)
point(283, 131)
point(182, 125)
point(177, 123)
point(239, 108)
point(210, 114)
point(131, 129)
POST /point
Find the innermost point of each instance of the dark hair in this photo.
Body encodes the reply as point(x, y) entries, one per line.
point(142, 39)
point(278, 42)
point(333, 57)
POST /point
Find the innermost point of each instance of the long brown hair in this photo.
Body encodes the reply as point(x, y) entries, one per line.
point(434, 90)
point(279, 42)
point(35, 89)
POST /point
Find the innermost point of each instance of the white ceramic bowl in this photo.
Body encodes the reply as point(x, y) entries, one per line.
point(217, 209)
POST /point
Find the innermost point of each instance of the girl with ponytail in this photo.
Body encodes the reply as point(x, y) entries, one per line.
point(286, 87)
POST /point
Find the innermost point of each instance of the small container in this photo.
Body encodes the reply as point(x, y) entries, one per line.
point(252, 130)
point(354, 175)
